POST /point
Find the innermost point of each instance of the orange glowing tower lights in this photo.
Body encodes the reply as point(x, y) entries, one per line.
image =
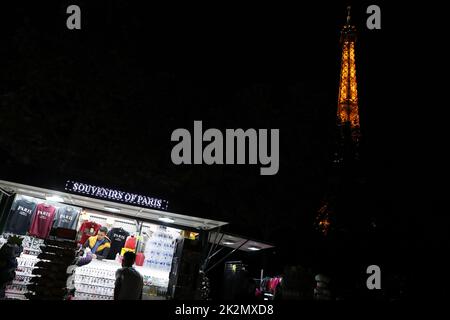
point(347, 121)
point(347, 111)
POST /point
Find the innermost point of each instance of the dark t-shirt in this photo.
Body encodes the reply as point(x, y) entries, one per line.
point(66, 217)
point(20, 217)
point(118, 237)
point(129, 284)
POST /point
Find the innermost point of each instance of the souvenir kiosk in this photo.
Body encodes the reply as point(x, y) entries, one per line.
point(135, 223)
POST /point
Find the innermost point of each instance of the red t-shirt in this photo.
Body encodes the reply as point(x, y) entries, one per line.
point(88, 229)
point(42, 221)
point(130, 243)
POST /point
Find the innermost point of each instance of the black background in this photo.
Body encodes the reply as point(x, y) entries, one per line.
point(100, 104)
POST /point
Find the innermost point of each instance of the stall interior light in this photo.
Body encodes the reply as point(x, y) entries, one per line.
point(54, 198)
point(166, 219)
point(112, 209)
point(228, 242)
point(33, 192)
point(254, 248)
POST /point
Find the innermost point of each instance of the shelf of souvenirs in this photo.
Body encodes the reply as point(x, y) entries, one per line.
point(109, 282)
point(13, 290)
point(21, 283)
point(25, 274)
point(33, 252)
point(20, 270)
point(27, 259)
point(94, 280)
point(89, 292)
point(25, 264)
point(79, 284)
point(86, 291)
point(93, 274)
point(15, 296)
point(104, 272)
point(17, 288)
point(95, 290)
point(30, 245)
point(80, 295)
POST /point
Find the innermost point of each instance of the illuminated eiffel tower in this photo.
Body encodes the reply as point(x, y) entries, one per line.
point(347, 111)
point(346, 156)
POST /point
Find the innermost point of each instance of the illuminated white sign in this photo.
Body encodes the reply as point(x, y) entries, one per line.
point(116, 195)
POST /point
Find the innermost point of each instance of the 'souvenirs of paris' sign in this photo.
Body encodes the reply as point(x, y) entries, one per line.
point(116, 195)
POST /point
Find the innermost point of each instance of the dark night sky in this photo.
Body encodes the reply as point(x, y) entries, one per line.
point(100, 104)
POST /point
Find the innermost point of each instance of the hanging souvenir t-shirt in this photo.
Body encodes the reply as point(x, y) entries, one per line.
point(118, 236)
point(88, 229)
point(42, 220)
point(130, 243)
point(20, 217)
point(66, 217)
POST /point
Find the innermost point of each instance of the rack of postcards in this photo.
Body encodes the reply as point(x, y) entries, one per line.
point(159, 249)
point(25, 265)
point(32, 246)
point(18, 287)
point(96, 280)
